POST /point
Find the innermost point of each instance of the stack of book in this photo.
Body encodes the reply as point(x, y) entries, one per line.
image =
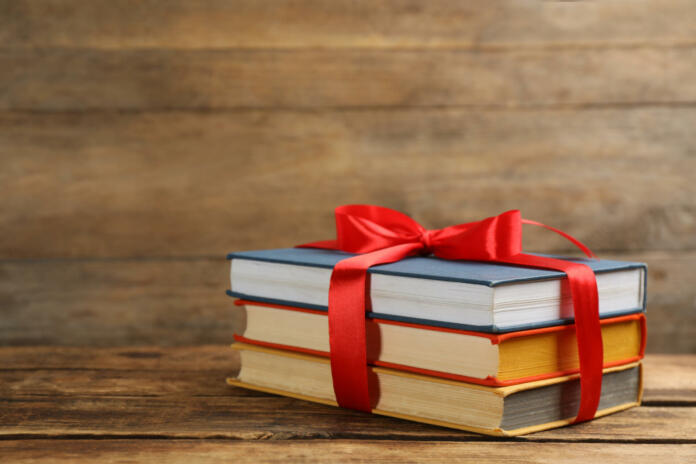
point(483, 347)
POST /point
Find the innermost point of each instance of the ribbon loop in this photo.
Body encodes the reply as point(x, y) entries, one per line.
point(382, 235)
point(366, 228)
point(486, 240)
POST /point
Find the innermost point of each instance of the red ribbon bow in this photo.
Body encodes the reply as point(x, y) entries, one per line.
point(382, 235)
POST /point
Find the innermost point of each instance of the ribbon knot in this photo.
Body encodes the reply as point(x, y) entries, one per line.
point(381, 235)
point(427, 241)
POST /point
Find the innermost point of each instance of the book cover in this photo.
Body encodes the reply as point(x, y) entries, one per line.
point(431, 269)
point(507, 411)
point(498, 359)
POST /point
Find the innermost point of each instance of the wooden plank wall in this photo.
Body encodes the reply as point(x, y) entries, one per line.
point(142, 140)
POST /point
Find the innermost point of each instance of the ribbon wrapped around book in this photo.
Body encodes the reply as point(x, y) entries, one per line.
point(381, 235)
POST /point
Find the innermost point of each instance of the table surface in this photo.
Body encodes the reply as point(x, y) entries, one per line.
point(154, 404)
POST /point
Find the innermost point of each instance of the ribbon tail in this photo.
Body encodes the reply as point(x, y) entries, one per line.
point(568, 237)
point(583, 289)
point(347, 335)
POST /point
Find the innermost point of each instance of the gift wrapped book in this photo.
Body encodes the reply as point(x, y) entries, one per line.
point(490, 344)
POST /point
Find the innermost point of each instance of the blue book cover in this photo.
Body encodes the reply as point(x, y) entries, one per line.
point(470, 272)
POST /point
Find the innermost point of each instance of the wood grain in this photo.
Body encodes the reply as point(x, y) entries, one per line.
point(276, 418)
point(181, 302)
point(670, 380)
point(225, 126)
point(344, 23)
point(181, 183)
point(218, 451)
point(76, 79)
point(152, 358)
point(164, 302)
point(141, 140)
point(671, 304)
point(152, 391)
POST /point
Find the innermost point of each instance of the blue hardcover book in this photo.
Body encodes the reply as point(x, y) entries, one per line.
point(469, 295)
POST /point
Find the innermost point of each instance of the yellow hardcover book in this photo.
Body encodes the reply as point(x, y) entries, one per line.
point(475, 357)
point(509, 410)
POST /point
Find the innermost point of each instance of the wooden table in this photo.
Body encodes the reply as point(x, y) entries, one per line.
point(152, 404)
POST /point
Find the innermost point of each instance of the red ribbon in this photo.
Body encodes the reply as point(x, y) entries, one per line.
point(381, 235)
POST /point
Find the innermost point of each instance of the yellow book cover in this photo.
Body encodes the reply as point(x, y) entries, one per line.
point(475, 357)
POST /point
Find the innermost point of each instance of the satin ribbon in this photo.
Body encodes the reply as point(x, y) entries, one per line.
point(380, 235)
